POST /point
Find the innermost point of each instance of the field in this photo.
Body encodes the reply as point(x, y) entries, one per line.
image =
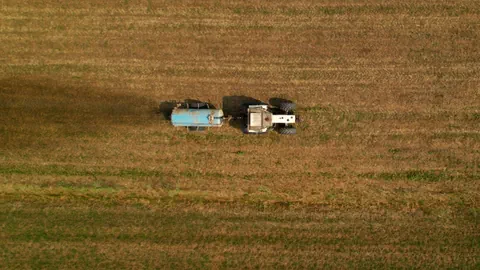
point(383, 173)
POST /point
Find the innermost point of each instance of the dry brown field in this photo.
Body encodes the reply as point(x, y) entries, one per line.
point(383, 173)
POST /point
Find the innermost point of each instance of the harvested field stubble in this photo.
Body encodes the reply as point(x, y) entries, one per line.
point(383, 173)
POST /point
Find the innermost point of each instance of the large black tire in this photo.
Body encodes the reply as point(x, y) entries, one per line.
point(197, 105)
point(287, 131)
point(287, 106)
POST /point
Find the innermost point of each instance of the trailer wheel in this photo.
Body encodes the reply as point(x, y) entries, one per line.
point(287, 106)
point(195, 128)
point(197, 105)
point(287, 131)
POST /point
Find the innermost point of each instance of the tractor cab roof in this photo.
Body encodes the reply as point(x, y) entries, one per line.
point(259, 119)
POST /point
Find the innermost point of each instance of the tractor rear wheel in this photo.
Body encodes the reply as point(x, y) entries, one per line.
point(287, 106)
point(287, 131)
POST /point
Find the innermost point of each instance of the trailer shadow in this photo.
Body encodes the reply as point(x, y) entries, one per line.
point(165, 108)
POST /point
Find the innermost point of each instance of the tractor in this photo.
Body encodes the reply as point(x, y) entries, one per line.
point(257, 118)
point(261, 118)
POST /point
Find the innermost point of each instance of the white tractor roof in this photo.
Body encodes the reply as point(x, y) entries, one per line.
point(256, 119)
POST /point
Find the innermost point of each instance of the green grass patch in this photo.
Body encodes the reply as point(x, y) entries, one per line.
point(411, 175)
point(56, 170)
point(97, 184)
point(315, 109)
point(377, 9)
point(455, 135)
point(64, 236)
point(394, 150)
point(52, 68)
point(129, 173)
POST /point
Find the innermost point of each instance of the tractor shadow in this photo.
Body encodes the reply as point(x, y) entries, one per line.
point(236, 106)
point(277, 101)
